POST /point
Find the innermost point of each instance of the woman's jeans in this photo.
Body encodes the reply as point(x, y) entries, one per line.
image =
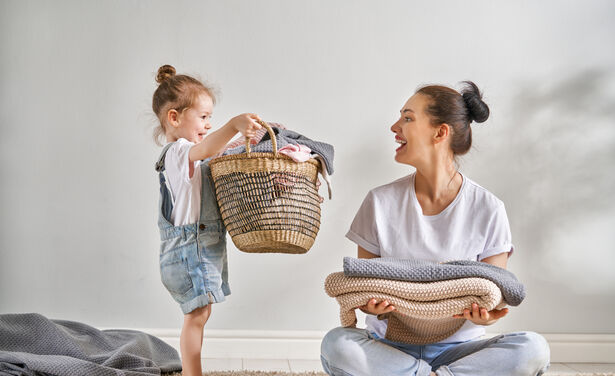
point(351, 351)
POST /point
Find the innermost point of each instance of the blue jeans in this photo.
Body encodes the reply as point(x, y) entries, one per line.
point(354, 352)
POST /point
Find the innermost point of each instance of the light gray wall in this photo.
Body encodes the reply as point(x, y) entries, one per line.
point(78, 234)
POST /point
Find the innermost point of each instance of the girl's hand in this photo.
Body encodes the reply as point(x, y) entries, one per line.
point(246, 124)
point(482, 316)
point(375, 308)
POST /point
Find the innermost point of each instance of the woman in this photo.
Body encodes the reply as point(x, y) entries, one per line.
point(435, 214)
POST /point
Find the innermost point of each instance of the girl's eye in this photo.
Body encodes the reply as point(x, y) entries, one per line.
point(408, 119)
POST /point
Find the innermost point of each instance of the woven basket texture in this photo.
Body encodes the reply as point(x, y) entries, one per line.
point(269, 203)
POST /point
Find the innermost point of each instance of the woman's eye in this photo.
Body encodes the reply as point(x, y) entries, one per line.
point(408, 119)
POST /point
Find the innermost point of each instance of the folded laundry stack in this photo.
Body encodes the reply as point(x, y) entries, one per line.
point(425, 294)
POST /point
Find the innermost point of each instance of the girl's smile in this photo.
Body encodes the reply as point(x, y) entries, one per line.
point(194, 122)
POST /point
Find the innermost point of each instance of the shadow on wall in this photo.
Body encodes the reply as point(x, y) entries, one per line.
point(558, 156)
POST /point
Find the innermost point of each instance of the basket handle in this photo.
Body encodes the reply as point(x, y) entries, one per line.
point(274, 142)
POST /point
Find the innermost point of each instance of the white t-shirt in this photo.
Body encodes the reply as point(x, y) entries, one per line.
point(390, 223)
point(185, 190)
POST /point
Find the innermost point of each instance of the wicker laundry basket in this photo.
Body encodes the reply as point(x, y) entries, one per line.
point(269, 203)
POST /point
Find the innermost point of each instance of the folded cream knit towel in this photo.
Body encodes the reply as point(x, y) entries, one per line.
point(424, 310)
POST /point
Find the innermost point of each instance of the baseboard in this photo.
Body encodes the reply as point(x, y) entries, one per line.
point(273, 344)
point(581, 348)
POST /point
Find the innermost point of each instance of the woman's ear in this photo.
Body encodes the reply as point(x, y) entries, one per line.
point(173, 118)
point(442, 133)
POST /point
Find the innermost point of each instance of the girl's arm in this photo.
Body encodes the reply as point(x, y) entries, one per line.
point(216, 141)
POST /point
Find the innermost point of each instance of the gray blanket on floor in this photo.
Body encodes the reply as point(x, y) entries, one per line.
point(427, 271)
point(33, 345)
point(285, 137)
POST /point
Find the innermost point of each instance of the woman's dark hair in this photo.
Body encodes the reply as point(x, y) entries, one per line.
point(448, 106)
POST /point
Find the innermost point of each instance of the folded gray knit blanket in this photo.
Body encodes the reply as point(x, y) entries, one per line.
point(428, 271)
point(285, 137)
point(33, 345)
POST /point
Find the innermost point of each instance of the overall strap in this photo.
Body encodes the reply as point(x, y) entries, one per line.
point(166, 198)
point(159, 166)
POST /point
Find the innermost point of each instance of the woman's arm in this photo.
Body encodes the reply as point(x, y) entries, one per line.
point(479, 315)
point(373, 306)
point(362, 253)
point(497, 260)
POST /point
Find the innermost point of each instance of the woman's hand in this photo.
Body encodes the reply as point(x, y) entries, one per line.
point(377, 308)
point(246, 124)
point(482, 316)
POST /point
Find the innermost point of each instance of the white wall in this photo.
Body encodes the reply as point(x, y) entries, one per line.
point(78, 236)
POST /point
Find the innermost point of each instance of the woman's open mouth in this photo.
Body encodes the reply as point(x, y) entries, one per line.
point(402, 142)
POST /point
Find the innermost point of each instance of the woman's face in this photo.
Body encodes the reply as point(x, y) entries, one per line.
point(413, 132)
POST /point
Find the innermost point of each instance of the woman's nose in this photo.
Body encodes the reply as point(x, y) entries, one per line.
point(394, 127)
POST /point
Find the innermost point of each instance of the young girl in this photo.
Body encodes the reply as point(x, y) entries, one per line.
point(193, 261)
point(435, 214)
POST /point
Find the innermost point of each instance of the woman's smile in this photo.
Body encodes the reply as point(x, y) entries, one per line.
point(400, 141)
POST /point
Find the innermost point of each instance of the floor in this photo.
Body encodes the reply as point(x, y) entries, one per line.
point(299, 365)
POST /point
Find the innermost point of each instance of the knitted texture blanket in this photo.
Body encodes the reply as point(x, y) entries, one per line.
point(33, 345)
point(423, 310)
point(427, 271)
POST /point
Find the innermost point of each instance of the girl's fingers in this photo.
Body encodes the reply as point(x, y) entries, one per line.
point(484, 314)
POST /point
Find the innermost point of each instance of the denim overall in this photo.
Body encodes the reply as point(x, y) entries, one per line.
point(193, 259)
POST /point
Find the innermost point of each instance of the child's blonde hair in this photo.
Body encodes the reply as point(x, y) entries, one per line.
point(175, 91)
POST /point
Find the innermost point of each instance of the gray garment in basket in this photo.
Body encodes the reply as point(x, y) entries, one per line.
point(33, 345)
point(285, 137)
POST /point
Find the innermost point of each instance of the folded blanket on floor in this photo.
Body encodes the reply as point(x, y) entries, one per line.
point(285, 137)
point(31, 344)
point(428, 271)
point(423, 311)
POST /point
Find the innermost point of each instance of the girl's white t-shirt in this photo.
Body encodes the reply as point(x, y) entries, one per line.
point(185, 190)
point(390, 223)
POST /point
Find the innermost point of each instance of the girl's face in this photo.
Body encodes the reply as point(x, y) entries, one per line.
point(194, 121)
point(414, 132)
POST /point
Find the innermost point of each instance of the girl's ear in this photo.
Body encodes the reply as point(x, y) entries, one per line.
point(442, 133)
point(173, 118)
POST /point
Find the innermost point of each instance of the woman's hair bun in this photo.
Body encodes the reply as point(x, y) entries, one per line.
point(479, 111)
point(165, 72)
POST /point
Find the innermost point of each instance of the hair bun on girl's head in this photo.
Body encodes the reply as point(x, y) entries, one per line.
point(479, 111)
point(164, 72)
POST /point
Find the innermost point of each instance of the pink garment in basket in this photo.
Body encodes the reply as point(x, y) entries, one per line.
point(299, 153)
